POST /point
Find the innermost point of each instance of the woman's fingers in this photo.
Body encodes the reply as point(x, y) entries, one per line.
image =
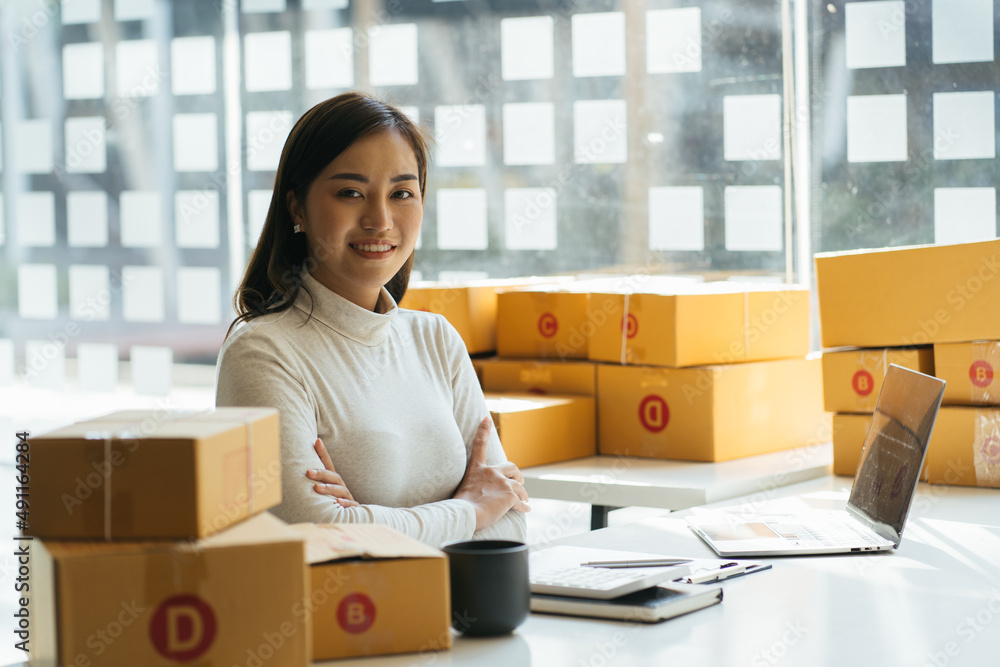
point(328, 481)
point(480, 442)
point(325, 476)
point(511, 471)
point(338, 491)
point(324, 456)
point(522, 496)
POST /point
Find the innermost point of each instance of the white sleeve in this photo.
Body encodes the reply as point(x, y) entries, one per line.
point(470, 410)
point(254, 371)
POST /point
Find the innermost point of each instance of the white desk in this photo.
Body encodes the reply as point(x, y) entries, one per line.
point(608, 482)
point(939, 592)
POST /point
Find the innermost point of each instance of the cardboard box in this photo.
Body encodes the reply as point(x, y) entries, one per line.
point(543, 322)
point(477, 364)
point(539, 377)
point(535, 430)
point(235, 597)
point(909, 296)
point(710, 413)
point(470, 307)
point(683, 324)
point(965, 447)
point(968, 369)
point(375, 591)
point(849, 433)
point(852, 379)
point(155, 474)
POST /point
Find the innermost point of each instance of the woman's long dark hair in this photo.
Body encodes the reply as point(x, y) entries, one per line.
point(272, 279)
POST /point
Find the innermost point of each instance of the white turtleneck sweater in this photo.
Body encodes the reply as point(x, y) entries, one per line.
point(392, 394)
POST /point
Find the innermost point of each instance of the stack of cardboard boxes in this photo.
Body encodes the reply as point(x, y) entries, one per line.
point(940, 295)
point(150, 545)
point(705, 372)
point(852, 380)
point(653, 366)
point(543, 411)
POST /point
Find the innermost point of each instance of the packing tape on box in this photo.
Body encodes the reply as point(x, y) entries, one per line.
point(247, 421)
point(185, 586)
point(625, 329)
point(109, 437)
point(986, 448)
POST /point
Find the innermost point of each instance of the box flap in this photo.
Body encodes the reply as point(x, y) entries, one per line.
point(259, 529)
point(334, 541)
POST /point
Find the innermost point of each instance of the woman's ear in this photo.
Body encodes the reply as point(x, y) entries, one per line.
point(294, 207)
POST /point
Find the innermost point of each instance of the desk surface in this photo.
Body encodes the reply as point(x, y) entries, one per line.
point(621, 481)
point(934, 602)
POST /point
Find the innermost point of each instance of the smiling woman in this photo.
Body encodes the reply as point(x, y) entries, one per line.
point(361, 216)
point(382, 418)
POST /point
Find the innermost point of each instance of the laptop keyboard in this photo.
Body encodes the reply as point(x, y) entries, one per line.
point(832, 534)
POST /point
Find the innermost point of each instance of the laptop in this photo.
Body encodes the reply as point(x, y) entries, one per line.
point(883, 488)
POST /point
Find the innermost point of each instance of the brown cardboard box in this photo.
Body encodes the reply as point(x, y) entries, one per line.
point(968, 369)
point(852, 379)
point(671, 323)
point(470, 307)
point(849, 433)
point(909, 296)
point(710, 413)
point(544, 322)
point(477, 364)
point(231, 599)
point(375, 591)
point(539, 377)
point(535, 430)
point(965, 447)
point(155, 474)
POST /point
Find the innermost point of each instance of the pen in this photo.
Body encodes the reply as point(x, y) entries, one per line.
point(723, 572)
point(652, 562)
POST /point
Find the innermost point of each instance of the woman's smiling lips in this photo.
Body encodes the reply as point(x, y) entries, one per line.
point(373, 249)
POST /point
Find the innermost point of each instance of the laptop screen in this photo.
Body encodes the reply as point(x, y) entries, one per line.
point(894, 450)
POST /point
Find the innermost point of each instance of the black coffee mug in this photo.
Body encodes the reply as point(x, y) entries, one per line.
point(490, 594)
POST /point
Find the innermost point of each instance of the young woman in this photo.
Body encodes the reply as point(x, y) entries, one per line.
point(382, 418)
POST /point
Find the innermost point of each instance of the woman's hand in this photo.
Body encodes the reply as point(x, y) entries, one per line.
point(329, 482)
point(492, 490)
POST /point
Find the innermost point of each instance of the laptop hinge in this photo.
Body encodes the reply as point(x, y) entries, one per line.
point(881, 529)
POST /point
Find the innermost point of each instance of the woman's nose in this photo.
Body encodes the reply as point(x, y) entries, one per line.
point(376, 217)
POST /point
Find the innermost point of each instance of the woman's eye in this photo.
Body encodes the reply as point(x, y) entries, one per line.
point(403, 194)
point(352, 194)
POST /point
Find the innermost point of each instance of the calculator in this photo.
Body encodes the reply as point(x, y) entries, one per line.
point(602, 583)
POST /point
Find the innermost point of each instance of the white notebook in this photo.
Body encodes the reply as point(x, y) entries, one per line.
point(649, 605)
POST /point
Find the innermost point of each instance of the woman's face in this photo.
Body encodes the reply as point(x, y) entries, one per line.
point(362, 216)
